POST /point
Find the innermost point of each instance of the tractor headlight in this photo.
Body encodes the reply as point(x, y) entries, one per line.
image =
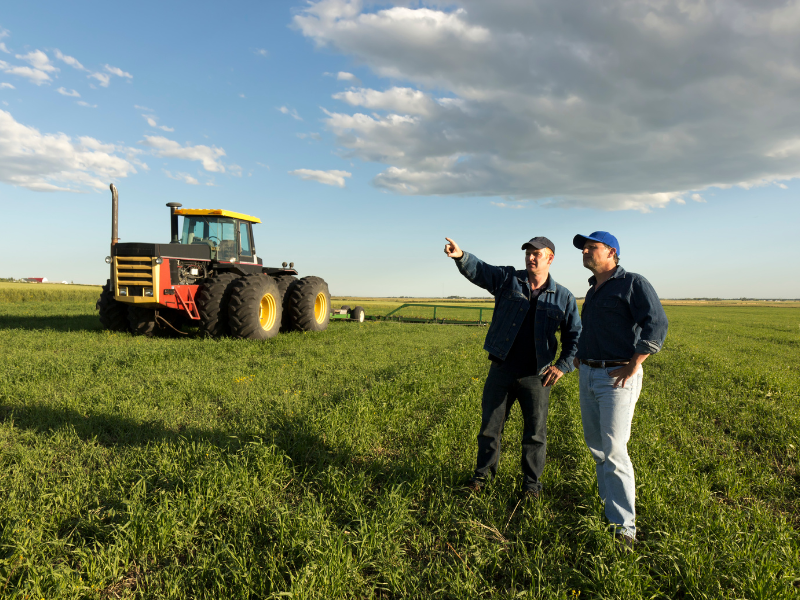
point(159, 260)
point(148, 292)
point(123, 291)
point(108, 260)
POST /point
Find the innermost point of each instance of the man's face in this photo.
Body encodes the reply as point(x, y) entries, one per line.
point(537, 260)
point(596, 256)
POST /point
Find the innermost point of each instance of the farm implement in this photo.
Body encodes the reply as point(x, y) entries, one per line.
point(440, 319)
point(209, 276)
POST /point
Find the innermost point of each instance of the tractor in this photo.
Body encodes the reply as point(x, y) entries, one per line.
point(211, 277)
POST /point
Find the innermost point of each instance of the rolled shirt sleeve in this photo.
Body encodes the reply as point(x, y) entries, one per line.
point(649, 315)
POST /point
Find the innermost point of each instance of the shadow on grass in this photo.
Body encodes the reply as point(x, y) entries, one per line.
point(51, 322)
point(293, 435)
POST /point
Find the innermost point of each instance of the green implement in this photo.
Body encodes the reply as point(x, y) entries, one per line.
point(441, 319)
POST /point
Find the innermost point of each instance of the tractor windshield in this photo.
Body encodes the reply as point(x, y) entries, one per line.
point(217, 232)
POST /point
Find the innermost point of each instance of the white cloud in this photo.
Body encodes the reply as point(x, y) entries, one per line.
point(291, 112)
point(118, 72)
point(65, 92)
point(208, 156)
point(515, 205)
point(261, 52)
point(38, 60)
point(70, 60)
point(4, 85)
point(55, 162)
point(136, 106)
point(242, 96)
point(82, 103)
point(345, 76)
point(35, 76)
point(4, 48)
point(402, 100)
point(613, 105)
point(335, 178)
point(101, 77)
point(185, 177)
point(697, 198)
point(313, 136)
point(4, 33)
point(153, 122)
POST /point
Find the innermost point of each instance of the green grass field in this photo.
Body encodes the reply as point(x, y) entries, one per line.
point(328, 465)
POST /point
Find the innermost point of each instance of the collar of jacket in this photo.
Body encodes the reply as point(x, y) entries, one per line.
point(619, 272)
point(550, 284)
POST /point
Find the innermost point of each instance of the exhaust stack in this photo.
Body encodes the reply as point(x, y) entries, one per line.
point(114, 215)
point(174, 221)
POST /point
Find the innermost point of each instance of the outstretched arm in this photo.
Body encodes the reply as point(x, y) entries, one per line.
point(478, 272)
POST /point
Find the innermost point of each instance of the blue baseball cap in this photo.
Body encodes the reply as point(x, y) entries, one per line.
point(597, 236)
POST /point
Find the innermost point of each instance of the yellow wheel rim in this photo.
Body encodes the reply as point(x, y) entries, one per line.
point(267, 312)
point(320, 308)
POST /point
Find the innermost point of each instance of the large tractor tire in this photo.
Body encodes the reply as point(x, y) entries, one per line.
point(310, 304)
point(142, 320)
point(212, 304)
point(113, 314)
point(284, 283)
point(255, 310)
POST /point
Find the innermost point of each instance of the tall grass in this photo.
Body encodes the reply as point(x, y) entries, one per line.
point(47, 292)
point(329, 465)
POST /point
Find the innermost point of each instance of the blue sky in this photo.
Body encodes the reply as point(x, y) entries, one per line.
point(363, 133)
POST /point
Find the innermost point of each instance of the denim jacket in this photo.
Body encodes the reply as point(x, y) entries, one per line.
point(621, 318)
point(556, 310)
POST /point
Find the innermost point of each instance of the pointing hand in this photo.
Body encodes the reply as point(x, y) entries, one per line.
point(452, 250)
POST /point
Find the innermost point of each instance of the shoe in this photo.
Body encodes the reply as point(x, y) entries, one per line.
point(475, 485)
point(626, 541)
point(530, 495)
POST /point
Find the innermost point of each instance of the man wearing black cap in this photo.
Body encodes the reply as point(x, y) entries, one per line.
point(529, 308)
point(623, 324)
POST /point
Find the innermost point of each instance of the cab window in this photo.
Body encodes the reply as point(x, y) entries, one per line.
point(244, 239)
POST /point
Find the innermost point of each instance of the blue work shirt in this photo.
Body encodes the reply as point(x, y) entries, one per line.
point(622, 318)
point(556, 310)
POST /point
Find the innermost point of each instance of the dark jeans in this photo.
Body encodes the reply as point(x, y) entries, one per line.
point(499, 393)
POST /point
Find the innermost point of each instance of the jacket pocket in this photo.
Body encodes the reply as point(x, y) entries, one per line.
point(554, 313)
point(609, 302)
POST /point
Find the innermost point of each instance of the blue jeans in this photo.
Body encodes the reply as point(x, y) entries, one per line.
point(607, 413)
point(501, 390)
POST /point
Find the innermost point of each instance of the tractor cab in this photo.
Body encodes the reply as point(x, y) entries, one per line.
point(229, 235)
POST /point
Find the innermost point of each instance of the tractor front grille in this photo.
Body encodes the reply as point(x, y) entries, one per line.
point(136, 278)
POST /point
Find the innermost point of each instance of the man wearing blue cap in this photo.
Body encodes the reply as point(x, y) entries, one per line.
point(529, 308)
point(623, 324)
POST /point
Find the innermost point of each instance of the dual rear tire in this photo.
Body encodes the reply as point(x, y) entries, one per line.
point(212, 304)
point(259, 306)
point(309, 304)
point(255, 309)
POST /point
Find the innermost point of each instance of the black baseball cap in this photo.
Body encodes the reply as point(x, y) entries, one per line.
point(538, 243)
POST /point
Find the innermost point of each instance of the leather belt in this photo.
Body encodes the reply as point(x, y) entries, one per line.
point(602, 364)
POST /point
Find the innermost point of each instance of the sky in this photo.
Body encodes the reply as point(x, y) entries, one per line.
point(362, 133)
